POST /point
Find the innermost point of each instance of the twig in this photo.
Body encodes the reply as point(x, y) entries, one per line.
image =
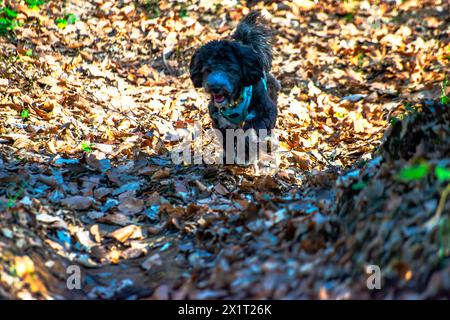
point(433, 222)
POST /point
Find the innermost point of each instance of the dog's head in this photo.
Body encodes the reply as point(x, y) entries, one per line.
point(223, 68)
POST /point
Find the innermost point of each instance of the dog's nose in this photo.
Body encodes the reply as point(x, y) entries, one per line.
point(218, 82)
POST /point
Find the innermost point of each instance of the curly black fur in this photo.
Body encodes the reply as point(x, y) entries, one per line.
point(224, 67)
point(241, 62)
point(252, 32)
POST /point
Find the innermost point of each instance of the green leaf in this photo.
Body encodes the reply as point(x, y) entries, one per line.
point(409, 107)
point(444, 98)
point(29, 52)
point(359, 185)
point(349, 17)
point(339, 115)
point(9, 13)
point(87, 147)
point(153, 9)
point(33, 4)
point(414, 172)
point(5, 22)
point(442, 173)
point(7, 25)
point(61, 23)
point(183, 13)
point(71, 18)
point(394, 120)
point(25, 114)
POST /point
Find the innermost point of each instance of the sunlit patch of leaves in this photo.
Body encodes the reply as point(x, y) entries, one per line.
point(339, 115)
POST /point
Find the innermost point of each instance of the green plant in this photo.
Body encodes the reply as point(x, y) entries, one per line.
point(33, 4)
point(414, 172)
point(64, 22)
point(71, 18)
point(153, 9)
point(394, 120)
point(12, 199)
point(7, 20)
point(445, 99)
point(442, 173)
point(357, 186)
point(9, 13)
point(409, 110)
point(409, 107)
point(5, 25)
point(25, 114)
point(86, 146)
point(349, 17)
point(183, 13)
point(61, 23)
point(360, 60)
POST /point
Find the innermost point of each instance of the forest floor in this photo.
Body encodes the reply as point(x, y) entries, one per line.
point(92, 93)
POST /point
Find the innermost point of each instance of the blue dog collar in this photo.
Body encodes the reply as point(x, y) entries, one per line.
point(239, 113)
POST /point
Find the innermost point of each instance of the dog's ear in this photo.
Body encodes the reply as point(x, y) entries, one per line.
point(251, 65)
point(195, 69)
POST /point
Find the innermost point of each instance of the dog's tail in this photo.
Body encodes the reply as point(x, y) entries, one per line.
point(252, 32)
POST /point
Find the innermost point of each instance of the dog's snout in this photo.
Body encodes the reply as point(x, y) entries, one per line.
point(218, 82)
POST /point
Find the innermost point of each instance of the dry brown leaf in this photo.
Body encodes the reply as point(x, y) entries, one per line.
point(129, 232)
point(78, 202)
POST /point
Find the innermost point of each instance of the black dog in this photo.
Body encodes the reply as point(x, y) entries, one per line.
point(236, 75)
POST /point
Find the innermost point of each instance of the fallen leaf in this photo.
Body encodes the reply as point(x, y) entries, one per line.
point(128, 232)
